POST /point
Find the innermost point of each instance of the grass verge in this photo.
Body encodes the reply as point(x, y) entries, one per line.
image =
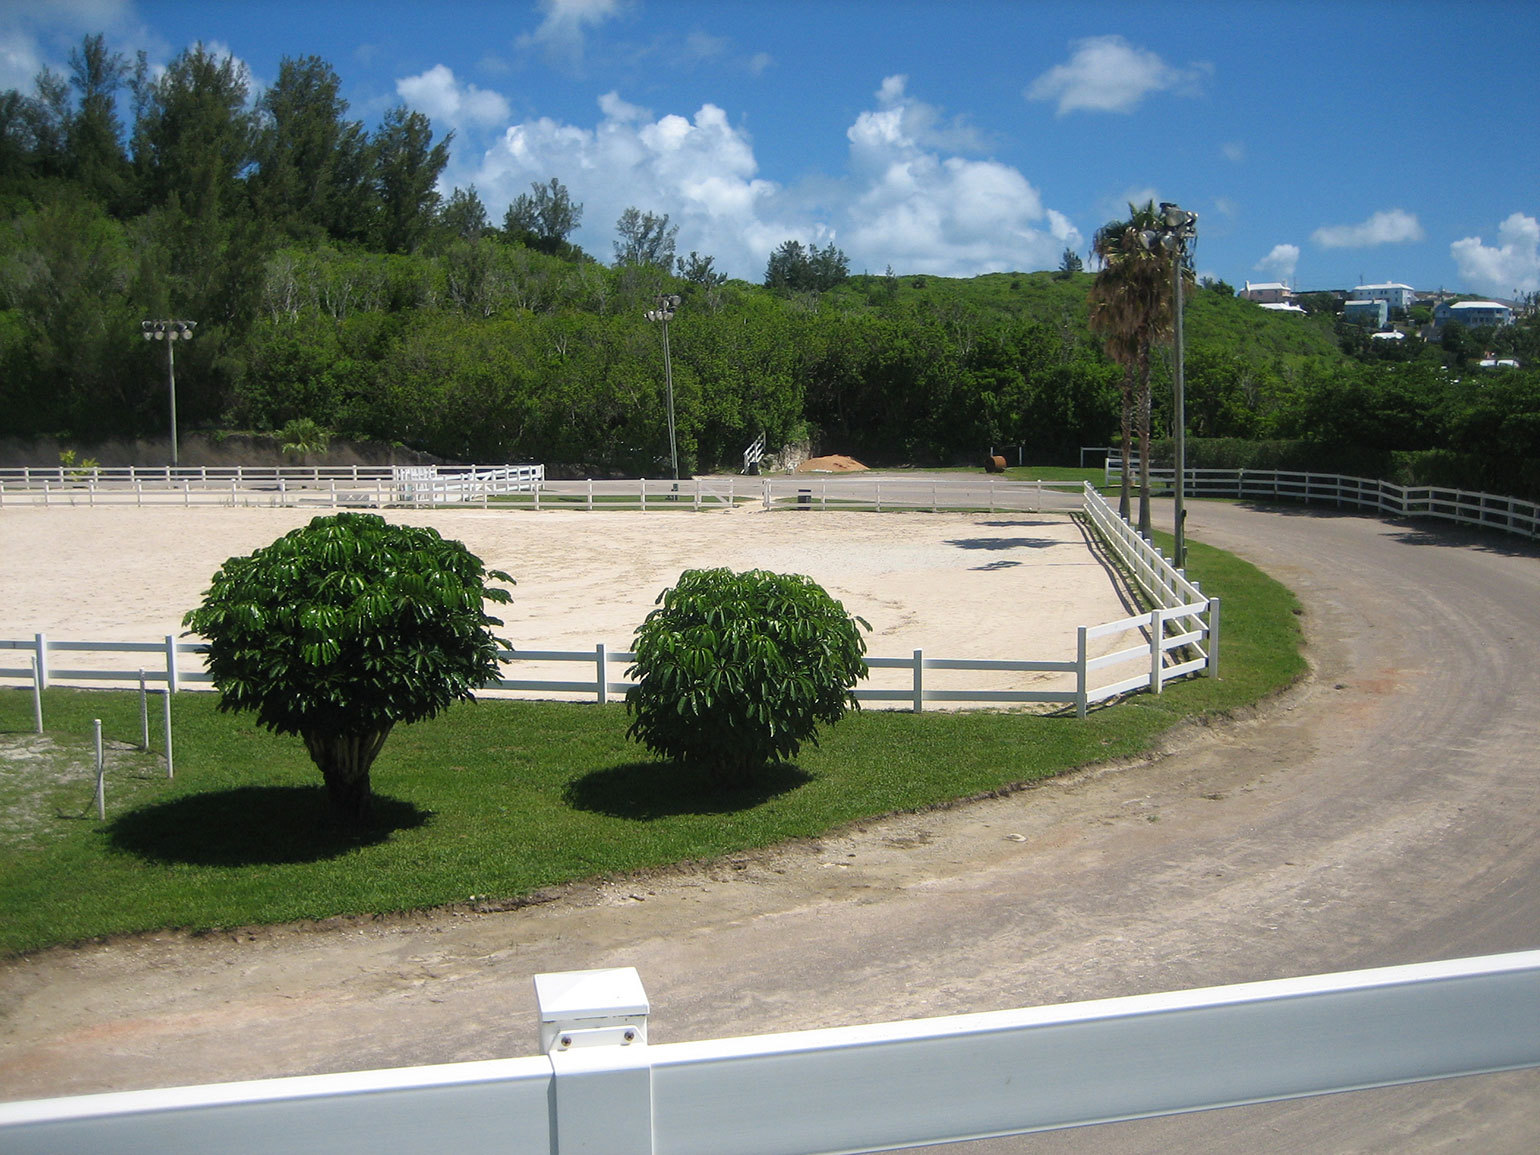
point(491, 802)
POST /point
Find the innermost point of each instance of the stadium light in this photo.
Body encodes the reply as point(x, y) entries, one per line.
point(663, 314)
point(1177, 230)
point(170, 332)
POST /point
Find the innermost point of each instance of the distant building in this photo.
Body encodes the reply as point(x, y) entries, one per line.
point(1373, 312)
point(1389, 335)
point(1395, 296)
point(1472, 314)
point(1283, 309)
point(1268, 293)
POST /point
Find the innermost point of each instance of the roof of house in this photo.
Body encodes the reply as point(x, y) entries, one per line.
point(1476, 305)
point(1386, 285)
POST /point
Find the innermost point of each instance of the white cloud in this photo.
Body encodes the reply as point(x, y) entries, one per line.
point(1108, 74)
point(449, 103)
point(1234, 151)
point(564, 30)
point(1281, 261)
point(1514, 264)
point(1388, 227)
point(905, 200)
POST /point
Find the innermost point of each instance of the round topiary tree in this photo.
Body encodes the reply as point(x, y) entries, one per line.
point(344, 627)
point(737, 669)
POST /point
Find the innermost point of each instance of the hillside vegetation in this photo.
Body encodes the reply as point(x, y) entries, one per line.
point(333, 283)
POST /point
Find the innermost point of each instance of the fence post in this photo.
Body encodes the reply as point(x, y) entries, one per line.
point(590, 495)
point(919, 681)
point(40, 641)
point(166, 715)
point(37, 697)
point(1212, 670)
point(593, 1028)
point(1157, 647)
point(602, 667)
point(144, 714)
point(644, 494)
point(101, 772)
point(172, 683)
point(1082, 697)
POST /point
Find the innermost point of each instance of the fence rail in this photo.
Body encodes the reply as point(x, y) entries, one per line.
point(1486, 510)
point(325, 486)
point(602, 1086)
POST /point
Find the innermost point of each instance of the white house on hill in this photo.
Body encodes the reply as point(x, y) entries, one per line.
point(1395, 296)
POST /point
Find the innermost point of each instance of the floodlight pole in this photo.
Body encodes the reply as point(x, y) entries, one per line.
point(1177, 228)
point(663, 314)
point(170, 332)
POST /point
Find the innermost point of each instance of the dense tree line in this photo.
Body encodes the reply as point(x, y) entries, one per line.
point(334, 281)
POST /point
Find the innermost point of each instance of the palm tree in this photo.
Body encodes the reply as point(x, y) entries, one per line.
point(1131, 307)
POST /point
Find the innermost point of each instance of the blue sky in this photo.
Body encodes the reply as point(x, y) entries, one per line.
point(1320, 143)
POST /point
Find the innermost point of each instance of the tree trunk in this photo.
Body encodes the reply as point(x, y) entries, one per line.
point(1128, 439)
point(344, 761)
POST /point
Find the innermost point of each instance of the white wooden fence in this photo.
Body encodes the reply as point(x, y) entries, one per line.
point(1487, 510)
point(325, 486)
point(602, 1086)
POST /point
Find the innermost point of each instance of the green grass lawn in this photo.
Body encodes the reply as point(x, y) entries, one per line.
point(492, 801)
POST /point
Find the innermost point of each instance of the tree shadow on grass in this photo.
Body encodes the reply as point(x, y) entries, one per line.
point(647, 790)
point(254, 826)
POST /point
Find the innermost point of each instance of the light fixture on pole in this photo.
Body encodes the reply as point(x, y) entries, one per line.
point(170, 332)
point(663, 314)
point(1177, 229)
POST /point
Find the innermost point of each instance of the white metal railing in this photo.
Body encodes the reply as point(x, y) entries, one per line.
point(602, 1085)
point(887, 494)
point(1466, 507)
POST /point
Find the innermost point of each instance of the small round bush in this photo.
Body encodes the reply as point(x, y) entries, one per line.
point(736, 670)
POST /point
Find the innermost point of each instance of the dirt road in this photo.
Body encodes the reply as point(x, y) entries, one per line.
point(1383, 813)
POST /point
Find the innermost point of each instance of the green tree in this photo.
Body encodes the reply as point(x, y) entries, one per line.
point(407, 167)
point(812, 270)
point(738, 669)
point(301, 149)
point(645, 239)
point(1069, 264)
point(341, 629)
point(1132, 308)
point(196, 136)
point(543, 218)
point(96, 157)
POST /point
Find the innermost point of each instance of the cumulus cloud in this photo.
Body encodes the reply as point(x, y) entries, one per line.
point(1281, 261)
point(1389, 227)
point(1513, 264)
point(565, 28)
point(905, 200)
point(1108, 74)
point(922, 211)
point(449, 103)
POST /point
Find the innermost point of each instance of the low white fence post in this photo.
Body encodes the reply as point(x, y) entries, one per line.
point(101, 771)
point(41, 673)
point(1082, 696)
point(593, 1028)
point(144, 714)
point(1157, 648)
point(37, 697)
point(919, 681)
point(165, 699)
point(173, 683)
point(602, 668)
point(1212, 671)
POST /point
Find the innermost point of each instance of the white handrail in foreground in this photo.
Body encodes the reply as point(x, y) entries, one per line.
point(602, 1086)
